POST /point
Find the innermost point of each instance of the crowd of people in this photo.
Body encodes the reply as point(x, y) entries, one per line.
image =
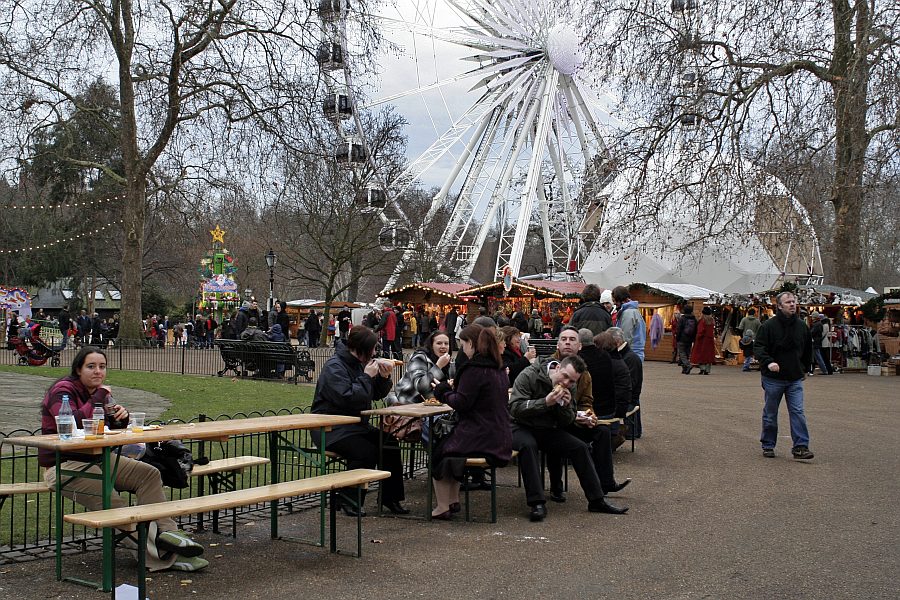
point(563, 407)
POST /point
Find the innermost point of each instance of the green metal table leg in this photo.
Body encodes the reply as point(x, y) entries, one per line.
point(322, 495)
point(59, 519)
point(429, 491)
point(108, 554)
point(273, 478)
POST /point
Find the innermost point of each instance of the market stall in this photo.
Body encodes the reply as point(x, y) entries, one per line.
point(661, 299)
point(298, 311)
point(430, 296)
point(554, 300)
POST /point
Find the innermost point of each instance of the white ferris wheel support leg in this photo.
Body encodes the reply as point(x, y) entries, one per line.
point(528, 194)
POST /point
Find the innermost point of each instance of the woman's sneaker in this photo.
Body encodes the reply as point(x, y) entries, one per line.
point(769, 452)
point(802, 453)
point(178, 543)
point(189, 564)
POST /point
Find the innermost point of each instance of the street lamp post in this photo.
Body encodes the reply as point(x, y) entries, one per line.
point(271, 261)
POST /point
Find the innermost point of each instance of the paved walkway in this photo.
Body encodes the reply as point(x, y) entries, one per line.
point(22, 394)
point(710, 518)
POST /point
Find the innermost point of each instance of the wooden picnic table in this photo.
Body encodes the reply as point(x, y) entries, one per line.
point(206, 430)
point(417, 410)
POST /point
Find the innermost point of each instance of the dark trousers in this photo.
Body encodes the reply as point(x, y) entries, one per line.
point(684, 353)
point(601, 454)
point(361, 452)
point(529, 442)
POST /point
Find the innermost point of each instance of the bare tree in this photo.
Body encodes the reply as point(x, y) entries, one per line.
point(718, 83)
point(197, 82)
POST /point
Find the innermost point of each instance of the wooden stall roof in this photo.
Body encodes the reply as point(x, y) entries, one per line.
point(427, 291)
point(531, 287)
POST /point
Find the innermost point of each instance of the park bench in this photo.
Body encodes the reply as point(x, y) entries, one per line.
point(260, 358)
point(543, 346)
point(142, 515)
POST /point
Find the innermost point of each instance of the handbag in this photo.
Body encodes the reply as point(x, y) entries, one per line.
point(443, 426)
point(402, 428)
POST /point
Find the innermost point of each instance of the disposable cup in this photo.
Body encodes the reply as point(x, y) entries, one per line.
point(65, 427)
point(90, 429)
point(137, 421)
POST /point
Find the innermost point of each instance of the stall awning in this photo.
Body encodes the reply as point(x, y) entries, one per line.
point(682, 290)
point(427, 291)
point(532, 287)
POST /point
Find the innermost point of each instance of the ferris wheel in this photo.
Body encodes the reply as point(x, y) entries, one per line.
point(522, 157)
point(340, 107)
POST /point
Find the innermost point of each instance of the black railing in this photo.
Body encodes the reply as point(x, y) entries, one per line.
point(188, 360)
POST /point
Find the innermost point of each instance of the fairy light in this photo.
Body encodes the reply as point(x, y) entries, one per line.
point(61, 206)
point(61, 240)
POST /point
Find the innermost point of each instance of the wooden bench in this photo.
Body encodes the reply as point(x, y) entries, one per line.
point(261, 358)
point(490, 473)
point(142, 515)
point(222, 476)
point(17, 489)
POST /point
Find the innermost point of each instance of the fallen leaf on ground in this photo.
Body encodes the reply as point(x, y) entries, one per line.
point(187, 581)
point(377, 541)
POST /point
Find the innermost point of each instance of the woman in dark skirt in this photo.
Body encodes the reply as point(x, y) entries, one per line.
point(479, 397)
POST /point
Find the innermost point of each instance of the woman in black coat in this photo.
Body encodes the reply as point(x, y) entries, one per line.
point(348, 384)
point(513, 358)
point(313, 329)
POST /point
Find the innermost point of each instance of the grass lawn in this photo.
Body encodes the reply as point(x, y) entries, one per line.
point(191, 395)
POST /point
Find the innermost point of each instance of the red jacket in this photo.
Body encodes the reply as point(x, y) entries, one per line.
point(704, 350)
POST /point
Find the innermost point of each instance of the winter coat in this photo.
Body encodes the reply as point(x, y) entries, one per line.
point(636, 368)
point(275, 334)
point(593, 316)
point(528, 401)
point(415, 385)
point(786, 341)
point(344, 389)
point(240, 322)
point(515, 362)
point(479, 399)
point(633, 327)
point(611, 382)
point(704, 350)
point(254, 334)
point(388, 325)
point(751, 323)
point(82, 404)
point(682, 335)
point(313, 326)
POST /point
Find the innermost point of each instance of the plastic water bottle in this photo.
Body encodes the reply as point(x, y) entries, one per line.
point(65, 423)
point(99, 417)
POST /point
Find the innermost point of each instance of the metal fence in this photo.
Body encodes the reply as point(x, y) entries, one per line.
point(183, 359)
point(27, 521)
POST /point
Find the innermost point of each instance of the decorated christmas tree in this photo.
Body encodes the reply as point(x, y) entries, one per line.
point(218, 289)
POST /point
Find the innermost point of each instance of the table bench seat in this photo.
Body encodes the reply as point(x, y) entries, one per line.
point(490, 472)
point(25, 487)
point(141, 515)
point(223, 465)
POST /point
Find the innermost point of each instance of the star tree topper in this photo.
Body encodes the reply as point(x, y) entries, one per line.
point(218, 234)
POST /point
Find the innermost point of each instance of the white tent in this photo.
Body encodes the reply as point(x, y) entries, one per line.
point(746, 246)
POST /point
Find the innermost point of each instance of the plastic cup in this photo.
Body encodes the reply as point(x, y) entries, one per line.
point(137, 421)
point(91, 429)
point(65, 427)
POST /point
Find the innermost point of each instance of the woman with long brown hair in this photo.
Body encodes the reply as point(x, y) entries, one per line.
point(479, 397)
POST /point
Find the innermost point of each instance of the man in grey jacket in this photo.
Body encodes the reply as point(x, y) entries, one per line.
point(541, 407)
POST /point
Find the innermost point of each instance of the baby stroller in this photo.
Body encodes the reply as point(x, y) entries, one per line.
point(35, 354)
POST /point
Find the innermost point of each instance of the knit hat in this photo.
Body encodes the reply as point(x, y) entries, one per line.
point(586, 336)
point(707, 310)
point(606, 297)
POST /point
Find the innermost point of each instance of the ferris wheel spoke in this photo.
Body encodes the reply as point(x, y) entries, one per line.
point(528, 193)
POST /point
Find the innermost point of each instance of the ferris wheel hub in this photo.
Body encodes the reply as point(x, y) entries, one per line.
point(563, 49)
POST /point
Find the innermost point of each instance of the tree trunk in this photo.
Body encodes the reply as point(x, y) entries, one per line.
point(353, 288)
point(851, 70)
point(132, 259)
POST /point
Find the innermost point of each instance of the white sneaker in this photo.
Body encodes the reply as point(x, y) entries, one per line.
point(190, 564)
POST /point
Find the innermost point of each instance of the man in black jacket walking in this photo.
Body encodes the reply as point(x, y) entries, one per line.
point(591, 313)
point(784, 349)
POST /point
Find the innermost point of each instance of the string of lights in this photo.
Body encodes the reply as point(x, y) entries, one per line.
point(60, 240)
point(55, 206)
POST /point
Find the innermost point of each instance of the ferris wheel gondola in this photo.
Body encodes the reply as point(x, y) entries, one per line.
point(339, 106)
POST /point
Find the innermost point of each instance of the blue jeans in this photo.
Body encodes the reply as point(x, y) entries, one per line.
point(820, 360)
point(793, 394)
